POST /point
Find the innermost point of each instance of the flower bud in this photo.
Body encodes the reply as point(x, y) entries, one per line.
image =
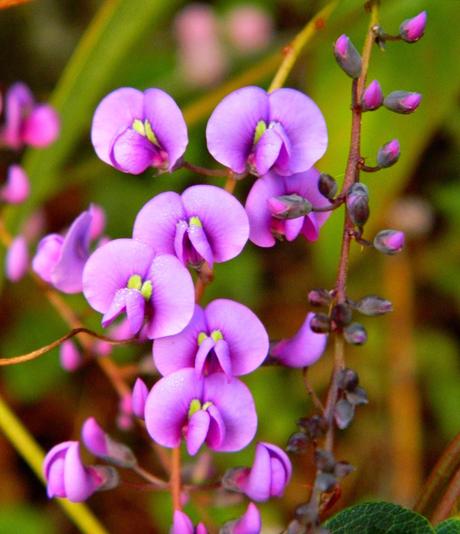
point(348, 379)
point(249, 523)
point(139, 396)
point(325, 482)
point(355, 334)
point(411, 30)
point(327, 185)
point(402, 101)
point(289, 206)
point(342, 469)
point(373, 305)
point(358, 204)
point(319, 297)
point(298, 443)
point(103, 446)
point(320, 323)
point(341, 315)
point(389, 241)
point(372, 97)
point(17, 186)
point(347, 56)
point(388, 154)
point(69, 356)
point(357, 397)
point(314, 427)
point(17, 259)
point(343, 413)
point(324, 460)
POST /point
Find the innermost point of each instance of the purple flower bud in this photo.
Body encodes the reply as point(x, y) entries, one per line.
point(341, 315)
point(402, 101)
point(67, 477)
point(269, 475)
point(289, 206)
point(358, 204)
point(325, 482)
point(69, 356)
point(348, 379)
point(319, 297)
point(303, 349)
point(411, 30)
point(327, 185)
point(372, 97)
point(389, 241)
point(17, 186)
point(373, 305)
point(347, 56)
point(183, 525)
point(355, 334)
point(249, 523)
point(138, 398)
point(17, 259)
point(388, 154)
point(343, 413)
point(103, 446)
point(320, 323)
point(298, 443)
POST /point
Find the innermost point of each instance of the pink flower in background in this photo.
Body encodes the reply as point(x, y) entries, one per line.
point(17, 186)
point(249, 28)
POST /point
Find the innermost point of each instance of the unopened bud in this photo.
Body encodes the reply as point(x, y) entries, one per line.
point(372, 97)
point(347, 56)
point(289, 206)
point(298, 443)
point(355, 334)
point(342, 469)
point(388, 154)
point(327, 186)
point(314, 427)
point(373, 305)
point(411, 30)
point(402, 101)
point(389, 241)
point(320, 323)
point(343, 413)
point(108, 475)
point(325, 482)
point(358, 204)
point(348, 379)
point(341, 315)
point(138, 398)
point(324, 460)
point(319, 297)
point(357, 397)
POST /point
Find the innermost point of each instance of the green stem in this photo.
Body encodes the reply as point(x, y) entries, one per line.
point(25, 445)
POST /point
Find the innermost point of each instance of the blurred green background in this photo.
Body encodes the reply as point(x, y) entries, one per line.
point(411, 364)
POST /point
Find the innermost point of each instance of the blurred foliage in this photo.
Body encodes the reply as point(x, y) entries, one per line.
point(74, 53)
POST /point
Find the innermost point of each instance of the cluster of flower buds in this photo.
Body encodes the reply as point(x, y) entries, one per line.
point(350, 396)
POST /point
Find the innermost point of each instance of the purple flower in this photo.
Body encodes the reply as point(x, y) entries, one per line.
point(69, 356)
point(411, 30)
point(60, 260)
point(249, 523)
point(372, 97)
point(17, 259)
point(226, 336)
point(389, 241)
point(268, 476)
point(205, 223)
point(67, 477)
point(183, 525)
point(16, 188)
point(27, 123)
point(138, 398)
point(133, 130)
point(201, 409)
point(128, 276)
point(303, 349)
point(261, 210)
point(283, 130)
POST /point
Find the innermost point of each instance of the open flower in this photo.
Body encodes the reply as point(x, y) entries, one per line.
point(205, 223)
point(133, 130)
point(225, 336)
point(252, 129)
point(27, 123)
point(261, 207)
point(209, 409)
point(128, 276)
point(66, 476)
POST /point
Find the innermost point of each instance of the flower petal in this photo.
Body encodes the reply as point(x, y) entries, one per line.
point(179, 238)
point(236, 408)
point(304, 125)
point(156, 222)
point(222, 352)
point(278, 477)
point(17, 259)
point(216, 434)
point(78, 483)
point(167, 406)
point(176, 352)
point(19, 103)
point(250, 522)
point(114, 114)
point(116, 308)
point(222, 216)
point(310, 227)
point(200, 243)
point(197, 430)
point(248, 345)
point(58, 451)
point(257, 486)
point(132, 152)
point(293, 227)
point(17, 186)
point(267, 151)
point(41, 127)
point(202, 354)
point(172, 310)
point(135, 306)
point(181, 524)
point(167, 123)
point(232, 125)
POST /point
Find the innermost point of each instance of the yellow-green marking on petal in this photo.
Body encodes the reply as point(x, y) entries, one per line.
point(260, 130)
point(135, 282)
point(216, 335)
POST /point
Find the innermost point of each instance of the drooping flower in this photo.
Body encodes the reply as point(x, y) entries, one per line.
point(207, 409)
point(59, 260)
point(17, 259)
point(66, 476)
point(268, 477)
point(303, 349)
point(261, 210)
point(125, 275)
point(27, 123)
point(225, 336)
point(182, 524)
point(249, 523)
point(16, 189)
point(133, 130)
point(205, 223)
point(252, 129)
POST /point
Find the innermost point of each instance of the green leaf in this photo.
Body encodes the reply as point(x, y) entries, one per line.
point(26, 519)
point(449, 526)
point(378, 518)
